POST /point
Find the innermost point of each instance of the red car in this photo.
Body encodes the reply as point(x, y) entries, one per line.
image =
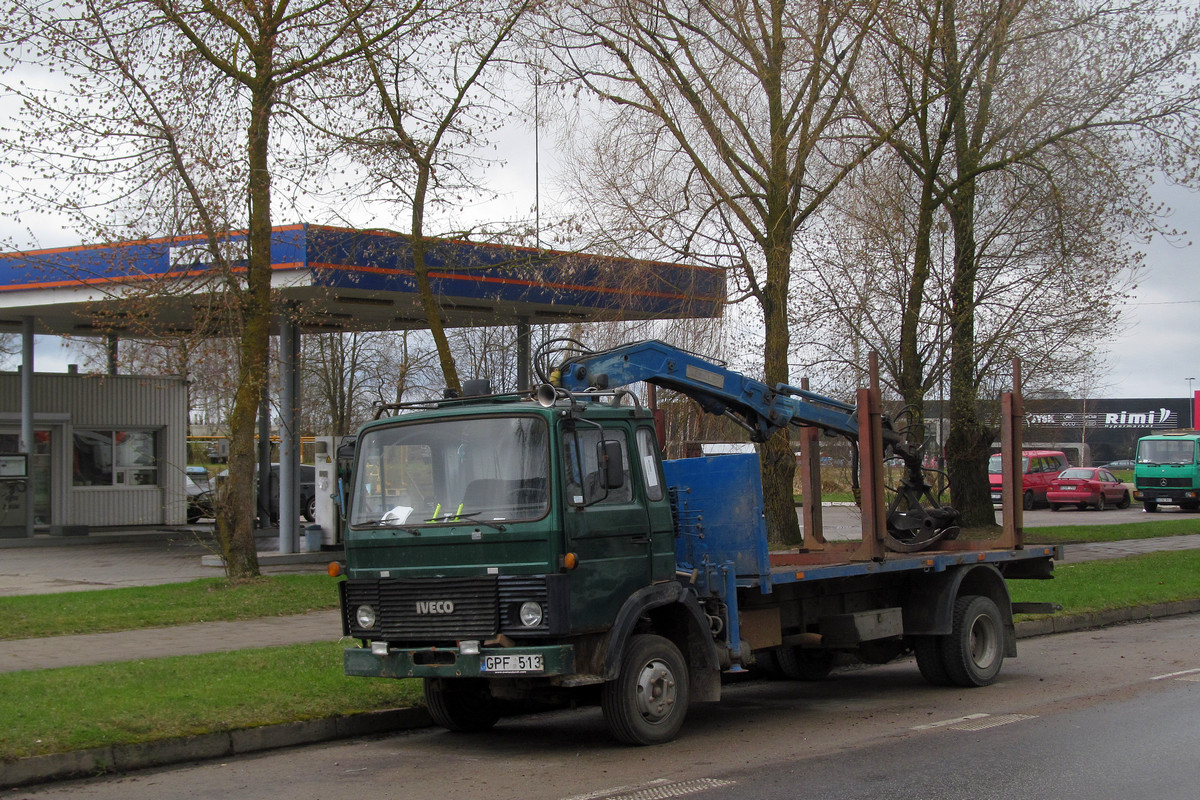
point(1086, 486)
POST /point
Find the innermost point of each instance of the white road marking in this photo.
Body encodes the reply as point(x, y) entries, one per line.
point(654, 790)
point(974, 722)
point(1184, 674)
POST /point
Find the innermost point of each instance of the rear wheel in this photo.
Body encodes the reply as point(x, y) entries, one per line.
point(1056, 506)
point(928, 650)
point(974, 651)
point(648, 701)
point(464, 704)
point(1100, 502)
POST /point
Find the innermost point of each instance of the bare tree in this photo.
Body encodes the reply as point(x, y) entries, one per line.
point(347, 374)
point(178, 100)
point(426, 108)
point(1036, 127)
point(723, 127)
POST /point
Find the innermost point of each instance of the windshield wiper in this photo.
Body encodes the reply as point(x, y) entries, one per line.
point(391, 523)
point(469, 516)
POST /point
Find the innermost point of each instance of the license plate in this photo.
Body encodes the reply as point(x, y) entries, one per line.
point(1067, 488)
point(995, 497)
point(512, 663)
point(1164, 500)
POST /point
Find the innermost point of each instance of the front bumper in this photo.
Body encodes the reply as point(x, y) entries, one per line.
point(449, 662)
point(1166, 496)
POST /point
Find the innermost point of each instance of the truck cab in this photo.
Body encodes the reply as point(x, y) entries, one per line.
point(502, 538)
point(1166, 471)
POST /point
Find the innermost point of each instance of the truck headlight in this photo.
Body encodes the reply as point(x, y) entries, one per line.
point(365, 616)
point(531, 614)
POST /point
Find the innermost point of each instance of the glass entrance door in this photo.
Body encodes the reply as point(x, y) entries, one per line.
point(39, 468)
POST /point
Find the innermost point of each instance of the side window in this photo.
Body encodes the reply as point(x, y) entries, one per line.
point(648, 453)
point(584, 484)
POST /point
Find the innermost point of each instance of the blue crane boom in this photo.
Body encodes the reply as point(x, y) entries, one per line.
point(719, 390)
point(914, 517)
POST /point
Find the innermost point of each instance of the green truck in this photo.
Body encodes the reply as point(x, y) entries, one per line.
point(535, 546)
point(1166, 471)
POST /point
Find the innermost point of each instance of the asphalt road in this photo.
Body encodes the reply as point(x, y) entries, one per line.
point(1095, 714)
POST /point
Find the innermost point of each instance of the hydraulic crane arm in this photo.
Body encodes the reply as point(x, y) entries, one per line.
point(914, 518)
point(718, 389)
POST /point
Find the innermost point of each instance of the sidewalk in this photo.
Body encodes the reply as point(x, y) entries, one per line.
point(60, 651)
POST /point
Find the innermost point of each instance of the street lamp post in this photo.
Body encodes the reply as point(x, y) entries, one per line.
point(1191, 402)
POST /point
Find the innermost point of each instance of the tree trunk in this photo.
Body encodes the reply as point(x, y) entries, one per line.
point(969, 441)
point(778, 462)
point(433, 310)
point(236, 511)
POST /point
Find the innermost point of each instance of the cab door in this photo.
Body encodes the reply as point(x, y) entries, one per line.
point(606, 528)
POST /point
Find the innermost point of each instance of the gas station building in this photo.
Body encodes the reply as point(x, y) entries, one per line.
point(109, 450)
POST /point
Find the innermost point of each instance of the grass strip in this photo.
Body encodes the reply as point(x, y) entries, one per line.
point(1075, 534)
point(1116, 583)
point(76, 708)
point(204, 600)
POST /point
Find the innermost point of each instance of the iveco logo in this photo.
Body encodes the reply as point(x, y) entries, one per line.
point(435, 606)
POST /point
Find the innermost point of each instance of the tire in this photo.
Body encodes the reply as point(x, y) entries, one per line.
point(804, 664)
point(1081, 506)
point(465, 705)
point(974, 651)
point(928, 650)
point(1056, 506)
point(1027, 501)
point(1100, 502)
point(1150, 506)
point(310, 509)
point(1124, 501)
point(648, 700)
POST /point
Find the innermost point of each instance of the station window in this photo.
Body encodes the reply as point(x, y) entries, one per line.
point(115, 458)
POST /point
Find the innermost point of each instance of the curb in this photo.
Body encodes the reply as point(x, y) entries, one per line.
point(127, 758)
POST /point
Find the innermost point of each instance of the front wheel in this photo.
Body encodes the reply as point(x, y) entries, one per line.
point(974, 651)
point(1150, 506)
point(648, 701)
point(1027, 501)
point(1124, 501)
point(464, 705)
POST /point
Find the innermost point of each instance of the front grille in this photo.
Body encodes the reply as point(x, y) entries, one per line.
point(1163, 483)
point(424, 609)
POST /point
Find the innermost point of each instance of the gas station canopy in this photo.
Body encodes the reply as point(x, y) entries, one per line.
point(339, 279)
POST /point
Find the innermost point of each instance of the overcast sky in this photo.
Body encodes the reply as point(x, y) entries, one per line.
point(1151, 355)
point(1159, 347)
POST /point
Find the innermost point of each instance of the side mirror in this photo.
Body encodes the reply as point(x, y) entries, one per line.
point(611, 463)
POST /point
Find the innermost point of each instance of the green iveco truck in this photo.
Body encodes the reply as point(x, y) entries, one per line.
point(536, 546)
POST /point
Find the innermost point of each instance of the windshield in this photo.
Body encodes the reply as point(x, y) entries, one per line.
point(1166, 451)
point(454, 471)
point(994, 464)
point(1076, 474)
